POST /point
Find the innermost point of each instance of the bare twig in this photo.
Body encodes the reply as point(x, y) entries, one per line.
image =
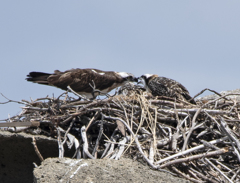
point(85, 143)
point(98, 139)
point(216, 168)
point(191, 158)
point(36, 149)
point(80, 96)
point(135, 138)
point(9, 100)
point(190, 150)
point(191, 129)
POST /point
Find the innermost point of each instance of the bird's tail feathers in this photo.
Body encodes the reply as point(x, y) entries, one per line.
point(38, 77)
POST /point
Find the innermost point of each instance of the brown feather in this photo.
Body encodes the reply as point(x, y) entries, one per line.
point(79, 79)
point(162, 86)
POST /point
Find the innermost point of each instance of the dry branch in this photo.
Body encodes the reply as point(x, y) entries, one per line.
point(191, 158)
point(36, 149)
point(170, 135)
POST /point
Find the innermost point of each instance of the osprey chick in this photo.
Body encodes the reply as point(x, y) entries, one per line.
point(80, 80)
point(162, 86)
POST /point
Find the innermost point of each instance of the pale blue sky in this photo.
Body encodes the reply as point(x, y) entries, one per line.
point(194, 42)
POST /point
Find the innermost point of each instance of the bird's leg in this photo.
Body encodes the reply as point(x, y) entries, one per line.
point(96, 90)
point(80, 96)
point(116, 92)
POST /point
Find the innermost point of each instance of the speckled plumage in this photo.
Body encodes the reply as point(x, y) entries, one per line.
point(162, 86)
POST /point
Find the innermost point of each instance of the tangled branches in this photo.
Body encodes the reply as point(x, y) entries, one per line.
point(198, 142)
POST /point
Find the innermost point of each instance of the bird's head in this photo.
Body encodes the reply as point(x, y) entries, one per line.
point(128, 77)
point(143, 79)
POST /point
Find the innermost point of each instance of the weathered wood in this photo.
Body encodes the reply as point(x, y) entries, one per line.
point(19, 124)
point(164, 132)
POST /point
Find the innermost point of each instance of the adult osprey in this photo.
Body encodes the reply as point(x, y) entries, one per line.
point(162, 86)
point(80, 80)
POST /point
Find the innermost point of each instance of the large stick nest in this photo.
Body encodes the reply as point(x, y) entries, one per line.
point(199, 142)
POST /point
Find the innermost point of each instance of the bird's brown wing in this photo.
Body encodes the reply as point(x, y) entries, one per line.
point(158, 87)
point(79, 79)
point(162, 86)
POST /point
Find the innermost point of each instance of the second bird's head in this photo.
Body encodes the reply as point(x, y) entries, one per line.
point(144, 79)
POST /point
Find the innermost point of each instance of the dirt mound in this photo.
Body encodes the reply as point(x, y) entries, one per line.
point(17, 156)
point(99, 170)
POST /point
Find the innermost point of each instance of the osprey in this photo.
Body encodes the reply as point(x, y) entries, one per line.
point(87, 82)
point(162, 86)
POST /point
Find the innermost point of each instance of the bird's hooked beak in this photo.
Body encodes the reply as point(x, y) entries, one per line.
point(140, 80)
point(135, 79)
point(132, 79)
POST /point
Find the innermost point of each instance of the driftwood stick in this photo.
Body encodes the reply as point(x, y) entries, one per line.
point(36, 149)
point(98, 139)
point(216, 168)
point(110, 152)
point(191, 158)
point(72, 140)
point(67, 120)
point(60, 144)
point(193, 174)
point(80, 96)
point(185, 111)
point(204, 177)
point(235, 174)
point(163, 142)
point(151, 152)
point(202, 133)
point(208, 90)
point(85, 142)
point(223, 96)
point(121, 145)
point(209, 145)
point(114, 154)
point(36, 108)
point(185, 176)
point(108, 144)
point(99, 91)
point(230, 134)
point(191, 129)
point(66, 133)
point(93, 118)
point(75, 104)
point(171, 112)
point(64, 93)
point(90, 105)
point(167, 103)
point(210, 111)
point(176, 134)
point(117, 143)
point(224, 166)
point(190, 150)
point(11, 101)
point(162, 130)
point(196, 126)
point(135, 138)
point(35, 165)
